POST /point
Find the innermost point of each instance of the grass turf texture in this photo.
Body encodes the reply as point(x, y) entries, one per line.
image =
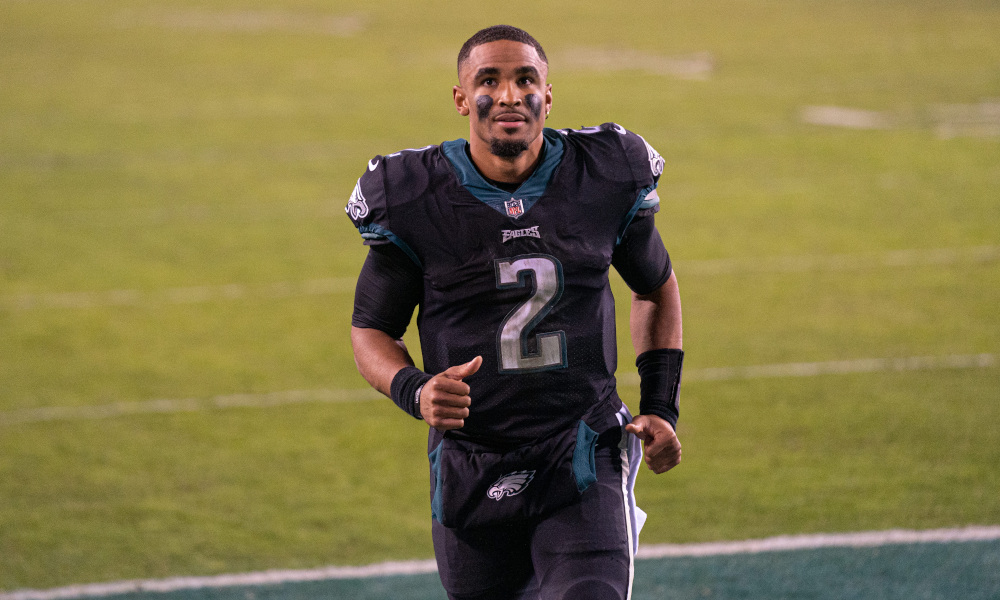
point(153, 147)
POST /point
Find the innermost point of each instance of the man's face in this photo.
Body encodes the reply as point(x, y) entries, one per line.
point(503, 91)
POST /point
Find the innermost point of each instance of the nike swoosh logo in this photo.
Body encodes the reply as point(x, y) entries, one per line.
point(372, 165)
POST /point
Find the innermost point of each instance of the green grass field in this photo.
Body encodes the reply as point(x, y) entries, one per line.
point(172, 182)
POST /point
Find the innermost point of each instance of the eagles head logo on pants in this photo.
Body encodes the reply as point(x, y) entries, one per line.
point(510, 484)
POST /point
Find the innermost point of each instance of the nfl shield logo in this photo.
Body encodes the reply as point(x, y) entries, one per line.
point(515, 208)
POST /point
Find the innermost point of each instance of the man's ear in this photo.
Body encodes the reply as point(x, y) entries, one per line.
point(461, 101)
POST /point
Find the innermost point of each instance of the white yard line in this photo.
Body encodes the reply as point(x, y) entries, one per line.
point(180, 295)
point(841, 262)
point(697, 66)
point(839, 116)
point(177, 405)
point(947, 120)
point(345, 285)
point(833, 367)
point(416, 567)
point(245, 21)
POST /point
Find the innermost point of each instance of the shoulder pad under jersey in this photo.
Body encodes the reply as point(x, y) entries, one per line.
point(644, 161)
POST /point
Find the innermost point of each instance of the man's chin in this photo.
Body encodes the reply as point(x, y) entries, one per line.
point(507, 148)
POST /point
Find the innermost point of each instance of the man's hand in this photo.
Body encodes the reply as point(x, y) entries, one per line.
point(444, 399)
point(660, 445)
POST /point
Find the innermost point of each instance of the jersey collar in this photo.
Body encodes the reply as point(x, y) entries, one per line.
point(526, 195)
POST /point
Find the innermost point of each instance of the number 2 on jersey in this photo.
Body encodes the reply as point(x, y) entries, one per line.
point(544, 273)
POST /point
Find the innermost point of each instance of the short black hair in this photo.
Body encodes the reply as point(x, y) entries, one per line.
point(497, 33)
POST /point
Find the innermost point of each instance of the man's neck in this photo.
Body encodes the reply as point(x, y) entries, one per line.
point(507, 170)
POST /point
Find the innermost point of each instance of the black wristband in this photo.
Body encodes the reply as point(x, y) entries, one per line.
point(405, 386)
point(660, 383)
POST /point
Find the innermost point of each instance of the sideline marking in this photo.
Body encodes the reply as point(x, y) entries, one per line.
point(420, 567)
point(345, 285)
point(45, 414)
point(863, 539)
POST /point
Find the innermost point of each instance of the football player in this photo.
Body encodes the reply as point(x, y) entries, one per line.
point(504, 241)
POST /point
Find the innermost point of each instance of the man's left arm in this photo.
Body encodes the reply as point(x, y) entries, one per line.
point(655, 323)
point(643, 262)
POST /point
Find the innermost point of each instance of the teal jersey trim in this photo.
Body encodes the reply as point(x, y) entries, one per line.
point(584, 465)
point(438, 499)
point(647, 198)
point(374, 231)
point(529, 192)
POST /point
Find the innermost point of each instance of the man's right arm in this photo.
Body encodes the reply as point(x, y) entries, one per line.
point(444, 399)
point(378, 356)
point(389, 288)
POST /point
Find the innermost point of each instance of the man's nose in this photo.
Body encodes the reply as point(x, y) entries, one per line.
point(509, 95)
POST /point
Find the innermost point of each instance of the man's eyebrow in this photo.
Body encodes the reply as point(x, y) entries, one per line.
point(487, 71)
point(493, 72)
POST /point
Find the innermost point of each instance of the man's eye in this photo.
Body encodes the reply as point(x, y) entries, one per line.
point(488, 81)
point(527, 81)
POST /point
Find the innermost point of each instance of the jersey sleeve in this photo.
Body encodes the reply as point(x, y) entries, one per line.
point(641, 258)
point(645, 162)
point(389, 287)
point(646, 166)
point(367, 207)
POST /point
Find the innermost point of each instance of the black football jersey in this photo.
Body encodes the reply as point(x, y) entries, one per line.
point(519, 278)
